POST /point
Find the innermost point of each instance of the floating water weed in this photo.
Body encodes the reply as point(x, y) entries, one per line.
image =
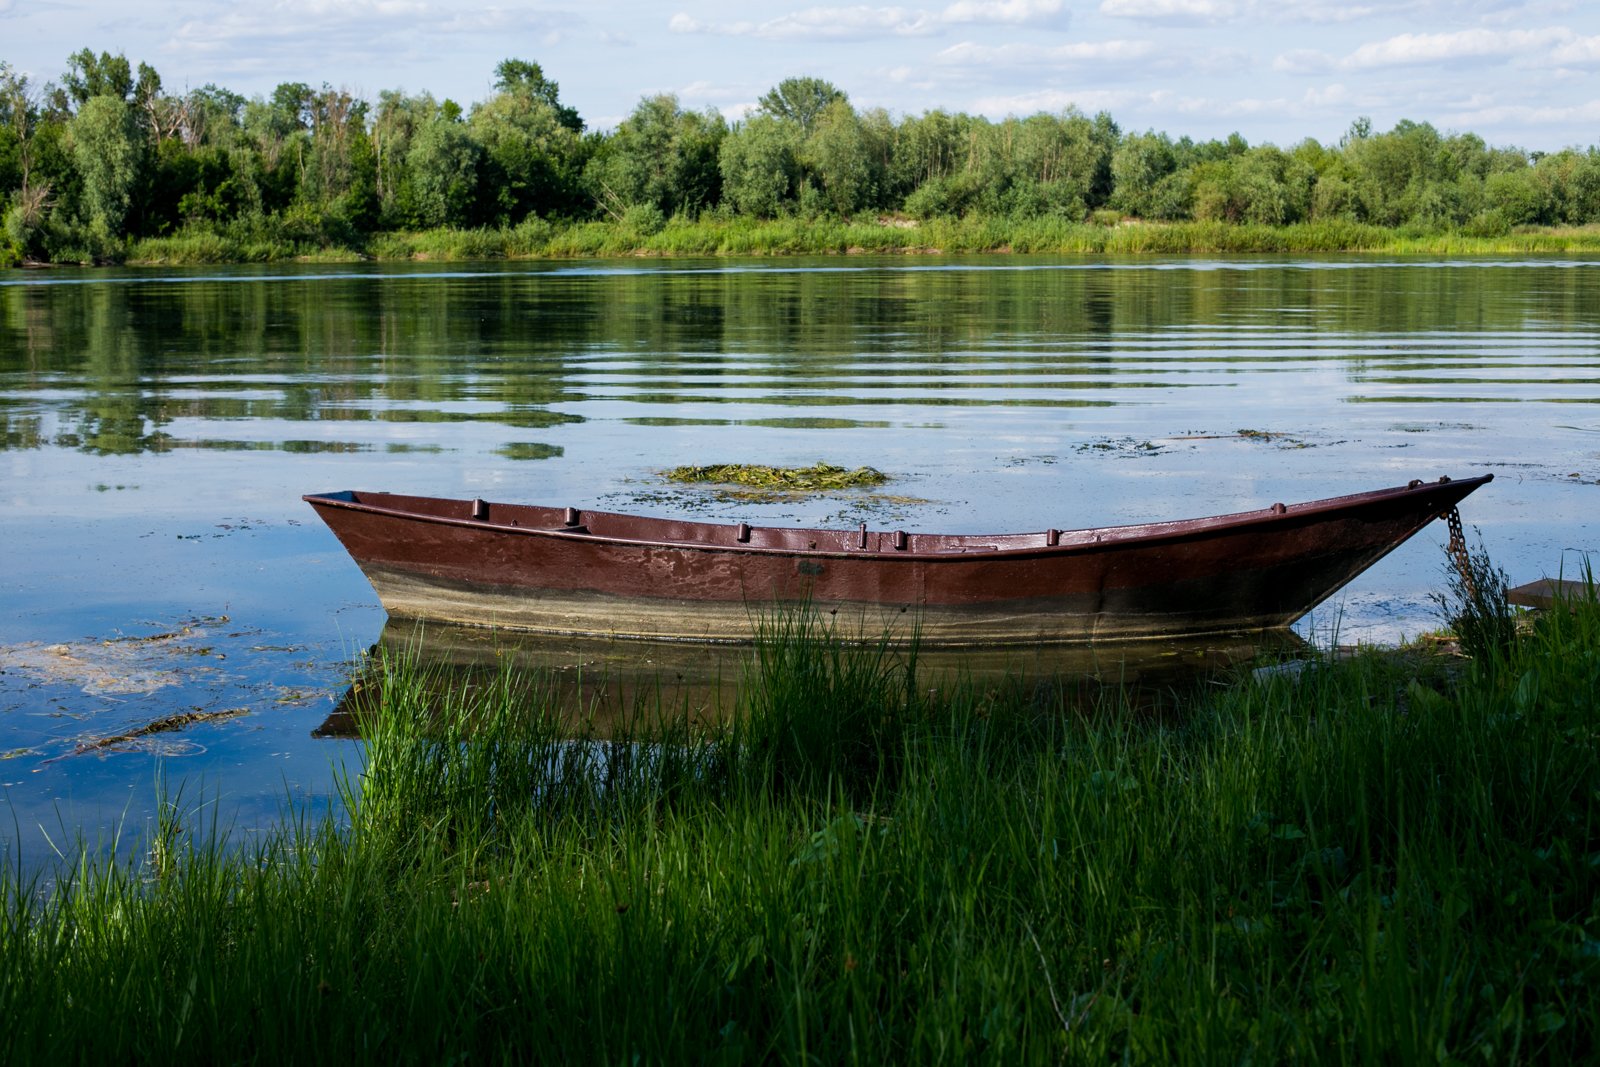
point(817, 477)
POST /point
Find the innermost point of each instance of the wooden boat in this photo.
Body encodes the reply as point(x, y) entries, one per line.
point(566, 571)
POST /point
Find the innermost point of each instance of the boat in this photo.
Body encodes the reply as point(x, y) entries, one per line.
point(565, 570)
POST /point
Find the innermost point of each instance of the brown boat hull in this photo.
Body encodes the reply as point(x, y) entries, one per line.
point(554, 571)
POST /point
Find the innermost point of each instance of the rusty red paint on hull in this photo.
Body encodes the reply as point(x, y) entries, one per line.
point(564, 571)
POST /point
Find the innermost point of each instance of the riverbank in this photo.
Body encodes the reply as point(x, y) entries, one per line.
point(1392, 856)
point(542, 239)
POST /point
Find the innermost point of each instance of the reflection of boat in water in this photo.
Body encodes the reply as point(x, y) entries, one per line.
point(597, 683)
point(555, 570)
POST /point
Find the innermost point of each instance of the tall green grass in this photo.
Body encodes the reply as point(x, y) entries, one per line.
point(1395, 858)
point(269, 239)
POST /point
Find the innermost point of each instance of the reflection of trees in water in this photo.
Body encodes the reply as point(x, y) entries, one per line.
point(135, 366)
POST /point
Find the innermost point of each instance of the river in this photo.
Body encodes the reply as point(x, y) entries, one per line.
point(160, 425)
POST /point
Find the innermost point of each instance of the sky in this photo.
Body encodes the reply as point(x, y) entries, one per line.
point(1516, 72)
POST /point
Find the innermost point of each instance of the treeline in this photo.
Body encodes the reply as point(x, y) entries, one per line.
point(107, 157)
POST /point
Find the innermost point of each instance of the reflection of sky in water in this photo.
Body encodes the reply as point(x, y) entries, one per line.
point(157, 430)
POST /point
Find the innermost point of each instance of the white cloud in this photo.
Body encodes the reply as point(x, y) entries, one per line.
point(1555, 44)
point(1408, 49)
point(1006, 12)
point(356, 24)
point(1335, 95)
point(1317, 12)
point(1304, 61)
point(1515, 115)
point(1130, 106)
point(1054, 100)
point(1321, 12)
point(1580, 51)
point(861, 22)
point(819, 23)
point(1170, 10)
point(1011, 55)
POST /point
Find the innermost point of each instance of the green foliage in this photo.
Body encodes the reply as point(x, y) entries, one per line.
point(819, 477)
point(759, 168)
point(443, 163)
point(660, 155)
point(1475, 605)
point(838, 154)
point(1518, 196)
point(89, 76)
point(1138, 164)
point(520, 78)
point(948, 196)
point(1382, 859)
point(111, 156)
point(534, 156)
point(801, 101)
point(819, 716)
point(108, 154)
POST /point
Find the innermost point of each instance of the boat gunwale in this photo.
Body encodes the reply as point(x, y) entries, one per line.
point(1082, 540)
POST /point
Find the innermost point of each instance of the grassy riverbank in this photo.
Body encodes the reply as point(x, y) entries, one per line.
point(1393, 858)
point(539, 239)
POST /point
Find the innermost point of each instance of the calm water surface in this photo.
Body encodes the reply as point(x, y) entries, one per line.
point(159, 426)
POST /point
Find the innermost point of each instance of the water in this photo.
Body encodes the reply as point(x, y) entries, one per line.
point(159, 426)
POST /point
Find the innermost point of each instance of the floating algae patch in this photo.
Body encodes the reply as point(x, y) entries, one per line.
point(119, 666)
point(732, 487)
point(148, 692)
point(1122, 446)
point(146, 736)
point(530, 450)
point(817, 478)
point(1276, 438)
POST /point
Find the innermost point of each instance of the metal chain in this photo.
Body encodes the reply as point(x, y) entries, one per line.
point(1458, 552)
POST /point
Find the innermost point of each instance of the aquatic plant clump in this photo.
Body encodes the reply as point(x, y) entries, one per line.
point(819, 477)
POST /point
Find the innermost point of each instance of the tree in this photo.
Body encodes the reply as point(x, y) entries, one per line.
point(19, 117)
point(1385, 166)
point(801, 101)
point(1572, 183)
point(89, 76)
point(661, 155)
point(107, 150)
point(211, 115)
point(522, 78)
point(534, 155)
point(1518, 196)
point(837, 154)
point(338, 129)
point(443, 162)
point(758, 166)
point(277, 124)
point(276, 131)
point(1137, 165)
point(926, 148)
point(395, 124)
point(156, 110)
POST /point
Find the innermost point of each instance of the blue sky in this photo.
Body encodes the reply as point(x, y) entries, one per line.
point(1519, 73)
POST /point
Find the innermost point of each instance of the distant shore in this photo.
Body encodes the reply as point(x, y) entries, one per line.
point(543, 239)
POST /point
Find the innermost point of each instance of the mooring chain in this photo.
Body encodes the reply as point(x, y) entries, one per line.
point(1458, 552)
